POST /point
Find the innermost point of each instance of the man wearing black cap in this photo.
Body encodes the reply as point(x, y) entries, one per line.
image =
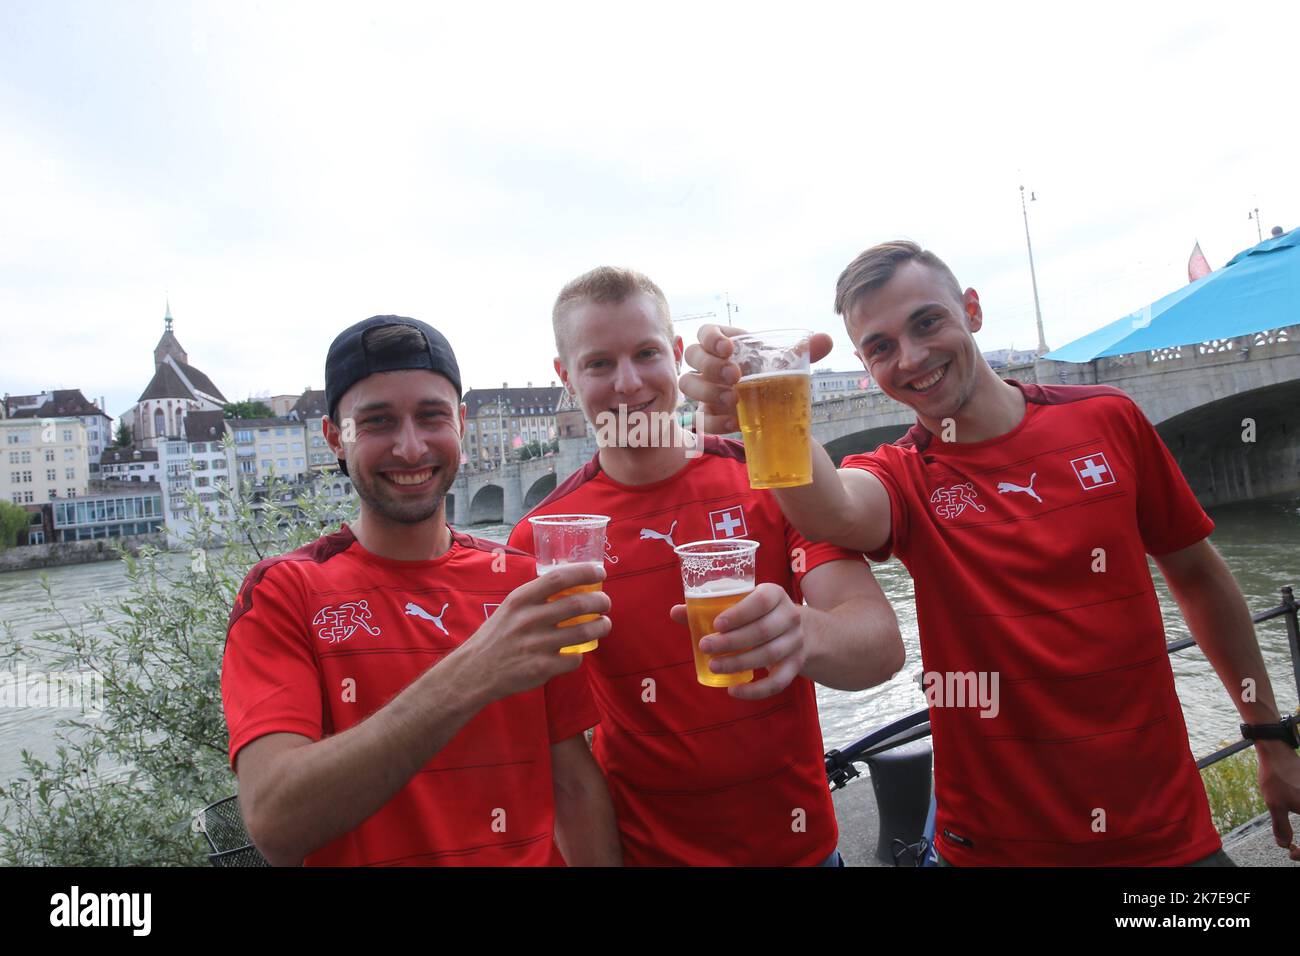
point(394, 691)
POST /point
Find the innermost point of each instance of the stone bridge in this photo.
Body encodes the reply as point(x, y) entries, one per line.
point(1229, 410)
point(1202, 399)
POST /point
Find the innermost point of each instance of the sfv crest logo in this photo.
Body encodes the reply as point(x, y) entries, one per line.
point(952, 501)
point(728, 523)
point(337, 624)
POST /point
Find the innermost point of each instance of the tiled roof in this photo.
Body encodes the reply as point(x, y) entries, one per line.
point(122, 456)
point(64, 403)
point(201, 381)
point(165, 384)
point(516, 398)
point(204, 426)
point(311, 404)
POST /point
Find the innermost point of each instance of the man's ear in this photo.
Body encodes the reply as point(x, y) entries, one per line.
point(678, 350)
point(563, 373)
point(463, 408)
point(971, 306)
point(333, 437)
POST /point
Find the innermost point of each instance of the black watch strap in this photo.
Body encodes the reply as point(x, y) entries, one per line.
point(1285, 730)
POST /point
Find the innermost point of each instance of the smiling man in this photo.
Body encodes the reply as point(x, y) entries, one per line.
point(1025, 515)
point(394, 691)
point(702, 776)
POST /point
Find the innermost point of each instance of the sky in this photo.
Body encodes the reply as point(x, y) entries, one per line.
point(280, 170)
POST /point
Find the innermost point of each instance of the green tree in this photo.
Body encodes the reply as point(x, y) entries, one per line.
point(248, 408)
point(13, 519)
point(123, 435)
point(123, 785)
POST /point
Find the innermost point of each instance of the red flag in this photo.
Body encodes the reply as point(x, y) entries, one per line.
point(1197, 266)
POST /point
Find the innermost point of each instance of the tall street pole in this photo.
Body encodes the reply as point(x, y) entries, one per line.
point(1038, 312)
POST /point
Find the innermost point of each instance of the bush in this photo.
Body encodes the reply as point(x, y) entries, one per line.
point(1232, 785)
point(124, 785)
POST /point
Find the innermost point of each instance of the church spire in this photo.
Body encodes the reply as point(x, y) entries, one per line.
point(167, 319)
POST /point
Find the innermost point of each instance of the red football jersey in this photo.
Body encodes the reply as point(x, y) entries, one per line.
point(1058, 735)
point(322, 637)
point(697, 777)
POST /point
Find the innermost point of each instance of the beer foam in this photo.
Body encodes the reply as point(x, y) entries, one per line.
point(547, 568)
point(780, 373)
point(717, 589)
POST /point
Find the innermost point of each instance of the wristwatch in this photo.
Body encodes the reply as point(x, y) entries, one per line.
point(1288, 729)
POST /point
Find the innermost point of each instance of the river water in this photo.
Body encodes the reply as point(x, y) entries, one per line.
point(1258, 541)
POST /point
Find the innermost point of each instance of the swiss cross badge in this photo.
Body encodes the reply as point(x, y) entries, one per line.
point(1093, 471)
point(728, 523)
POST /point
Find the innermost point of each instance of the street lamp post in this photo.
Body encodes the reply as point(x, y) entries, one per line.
point(1033, 278)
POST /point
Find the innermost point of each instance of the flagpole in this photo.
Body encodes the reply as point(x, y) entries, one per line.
point(1038, 312)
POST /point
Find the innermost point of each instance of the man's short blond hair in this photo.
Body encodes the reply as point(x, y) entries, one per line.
point(607, 285)
point(873, 268)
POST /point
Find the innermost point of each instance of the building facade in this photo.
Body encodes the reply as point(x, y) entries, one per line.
point(500, 421)
point(112, 515)
point(266, 447)
point(176, 390)
point(43, 459)
point(68, 403)
point(130, 465)
point(311, 411)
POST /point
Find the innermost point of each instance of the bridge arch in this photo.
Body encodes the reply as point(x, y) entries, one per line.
point(539, 489)
point(1240, 447)
point(866, 440)
point(488, 506)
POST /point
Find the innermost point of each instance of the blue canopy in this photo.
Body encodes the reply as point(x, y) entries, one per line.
point(1258, 289)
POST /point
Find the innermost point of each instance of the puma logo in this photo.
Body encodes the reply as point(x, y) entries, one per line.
point(414, 610)
point(1006, 486)
point(648, 533)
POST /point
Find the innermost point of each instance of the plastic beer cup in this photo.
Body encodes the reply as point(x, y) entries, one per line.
point(715, 576)
point(570, 539)
point(774, 404)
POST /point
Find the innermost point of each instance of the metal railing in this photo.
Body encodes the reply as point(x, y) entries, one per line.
point(840, 767)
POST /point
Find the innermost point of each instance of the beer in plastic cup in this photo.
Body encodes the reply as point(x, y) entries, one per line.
point(715, 576)
point(560, 540)
point(774, 404)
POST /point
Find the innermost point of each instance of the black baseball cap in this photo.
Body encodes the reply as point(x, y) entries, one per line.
point(349, 360)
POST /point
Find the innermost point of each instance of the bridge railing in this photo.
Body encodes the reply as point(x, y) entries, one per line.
point(840, 767)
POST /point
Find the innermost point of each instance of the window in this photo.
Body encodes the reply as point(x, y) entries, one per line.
point(199, 447)
point(244, 436)
point(201, 482)
point(266, 464)
point(67, 434)
point(280, 447)
point(219, 464)
point(51, 475)
point(69, 454)
point(49, 454)
point(297, 446)
point(264, 449)
point(68, 473)
point(27, 497)
point(282, 464)
point(279, 432)
point(11, 438)
point(298, 462)
point(18, 497)
point(247, 467)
